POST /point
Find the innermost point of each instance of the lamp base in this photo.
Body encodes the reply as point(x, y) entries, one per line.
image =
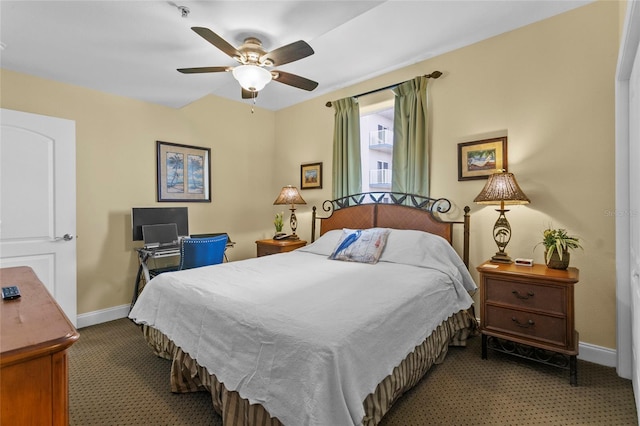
point(501, 257)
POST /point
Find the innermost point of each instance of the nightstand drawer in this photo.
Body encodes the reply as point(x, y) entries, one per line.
point(265, 250)
point(548, 329)
point(267, 247)
point(532, 296)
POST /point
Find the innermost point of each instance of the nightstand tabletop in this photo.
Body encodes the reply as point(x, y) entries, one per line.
point(537, 271)
point(282, 243)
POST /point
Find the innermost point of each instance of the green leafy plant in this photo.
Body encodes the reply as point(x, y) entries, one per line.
point(557, 240)
point(278, 221)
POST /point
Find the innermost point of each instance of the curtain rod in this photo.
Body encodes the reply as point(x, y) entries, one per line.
point(435, 74)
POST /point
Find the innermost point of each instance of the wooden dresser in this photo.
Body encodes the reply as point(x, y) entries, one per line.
point(267, 247)
point(34, 337)
point(531, 306)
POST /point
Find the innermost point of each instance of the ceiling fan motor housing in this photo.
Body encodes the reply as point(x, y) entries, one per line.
point(252, 52)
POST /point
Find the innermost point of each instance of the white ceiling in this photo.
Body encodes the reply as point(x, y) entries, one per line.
point(132, 48)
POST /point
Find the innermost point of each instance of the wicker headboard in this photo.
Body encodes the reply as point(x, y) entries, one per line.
point(391, 210)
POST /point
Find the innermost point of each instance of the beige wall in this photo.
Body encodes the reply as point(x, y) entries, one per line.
point(116, 170)
point(548, 86)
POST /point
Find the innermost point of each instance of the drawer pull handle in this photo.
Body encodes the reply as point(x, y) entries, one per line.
point(519, 296)
point(529, 323)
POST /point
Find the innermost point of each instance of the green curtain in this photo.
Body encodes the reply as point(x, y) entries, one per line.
point(347, 169)
point(410, 138)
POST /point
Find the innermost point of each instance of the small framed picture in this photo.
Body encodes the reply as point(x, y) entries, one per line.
point(183, 172)
point(479, 159)
point(311, 176)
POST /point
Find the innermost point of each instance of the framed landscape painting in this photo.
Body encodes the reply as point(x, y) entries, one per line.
point(479, 159)
point(311, 176)
point(183, 172)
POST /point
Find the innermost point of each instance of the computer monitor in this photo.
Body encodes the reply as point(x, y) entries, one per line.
point(155, 215)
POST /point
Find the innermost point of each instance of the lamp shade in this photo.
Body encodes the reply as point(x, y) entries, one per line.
point(500, 188)
point(289, 195)
point(252, 77)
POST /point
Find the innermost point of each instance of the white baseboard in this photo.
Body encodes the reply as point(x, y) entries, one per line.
point(103, 315)
point(598, 354)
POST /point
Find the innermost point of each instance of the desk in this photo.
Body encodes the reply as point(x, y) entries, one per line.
point(35, 335)
point(144, 255)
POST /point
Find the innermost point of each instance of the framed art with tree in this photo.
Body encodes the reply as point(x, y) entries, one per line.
point(479, 159)
point(183, 172)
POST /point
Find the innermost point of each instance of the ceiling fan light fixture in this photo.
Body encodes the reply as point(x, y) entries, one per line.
point(251, 77)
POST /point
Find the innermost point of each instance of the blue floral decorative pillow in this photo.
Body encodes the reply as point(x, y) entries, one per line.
point(361, 245)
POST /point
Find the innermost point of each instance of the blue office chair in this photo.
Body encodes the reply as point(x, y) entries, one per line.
point(196, 252)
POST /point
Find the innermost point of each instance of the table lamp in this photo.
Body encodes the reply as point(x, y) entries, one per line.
point(290, 195)
point(501, 188)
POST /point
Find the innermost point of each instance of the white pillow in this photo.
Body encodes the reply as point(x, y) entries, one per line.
point(413, 247)
point(360, 245)
point(426, 250)
point(325, 244)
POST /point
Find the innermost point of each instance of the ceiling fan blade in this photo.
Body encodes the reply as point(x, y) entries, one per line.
point(217, 41)
point(247, 94)
point(203, 69)
point(294, 80)
point(289, 53)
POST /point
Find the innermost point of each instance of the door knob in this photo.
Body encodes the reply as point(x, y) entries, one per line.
point(65, 237)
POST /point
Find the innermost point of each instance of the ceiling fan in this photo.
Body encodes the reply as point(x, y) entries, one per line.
point(252, 73)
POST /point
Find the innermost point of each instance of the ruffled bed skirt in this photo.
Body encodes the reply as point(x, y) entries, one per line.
point(188, 376)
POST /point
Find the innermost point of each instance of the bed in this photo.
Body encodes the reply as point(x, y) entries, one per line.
point(323, 335)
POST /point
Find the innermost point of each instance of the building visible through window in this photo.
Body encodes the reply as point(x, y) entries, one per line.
point(376, 138)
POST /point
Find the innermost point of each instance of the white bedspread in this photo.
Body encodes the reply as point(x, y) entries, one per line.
point(307, 337)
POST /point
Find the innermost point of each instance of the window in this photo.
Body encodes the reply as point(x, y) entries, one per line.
point(376, 138)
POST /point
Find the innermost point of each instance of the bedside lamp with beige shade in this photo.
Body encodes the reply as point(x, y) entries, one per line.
point(501, 188)
point(290, 195)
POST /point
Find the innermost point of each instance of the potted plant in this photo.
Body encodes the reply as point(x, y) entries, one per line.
point(557, 244)
point(278, 222)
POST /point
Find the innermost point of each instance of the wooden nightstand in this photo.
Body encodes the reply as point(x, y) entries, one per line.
point(266, 247)
point(528, 311)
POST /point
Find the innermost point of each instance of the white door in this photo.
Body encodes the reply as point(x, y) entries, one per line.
point(634, 217)
point(628, 200)
point(38, 200)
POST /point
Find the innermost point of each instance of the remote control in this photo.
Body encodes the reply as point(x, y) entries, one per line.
point(11, 292)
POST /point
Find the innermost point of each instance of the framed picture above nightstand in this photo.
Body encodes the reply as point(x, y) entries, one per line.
point(528, 311)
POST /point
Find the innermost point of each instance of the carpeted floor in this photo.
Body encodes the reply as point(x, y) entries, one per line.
point(116, 380)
